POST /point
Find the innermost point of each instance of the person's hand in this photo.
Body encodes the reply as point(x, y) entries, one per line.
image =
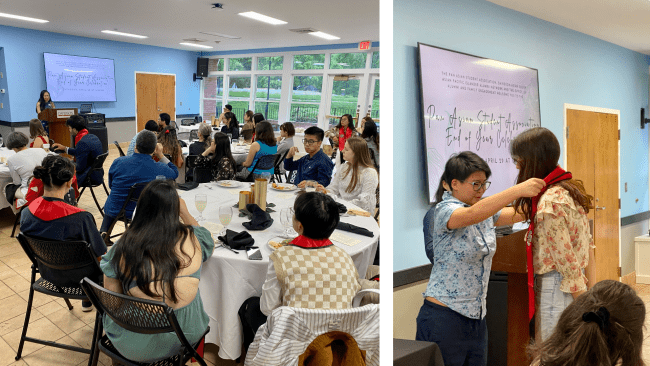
point(56, 146)
point(292, 152)
point(159, 151)
point(302, 184)
point(531, 187)
point(320, 188)
point(183, 206)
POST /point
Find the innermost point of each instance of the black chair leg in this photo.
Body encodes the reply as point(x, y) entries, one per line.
point(13, 232)
point(94, 350)
point(27, 315)
point(70, 307)
point(81, 193)
point(105, 189)
point(101, 211)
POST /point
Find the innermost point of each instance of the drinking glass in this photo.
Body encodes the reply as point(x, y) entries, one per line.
point(311, 185)
point(200, 201)
point(286, 218)
point(225, 215)
point(229, 137)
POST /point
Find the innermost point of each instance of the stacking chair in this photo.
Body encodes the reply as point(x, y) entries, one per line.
point(289, 331)
point(265, 162)
point(277, 175)
point(61, 264)
point(17, 221)
point(87, 183)
point(119, 148)
point(138, 316)
point(183, 135)
point(133, 196)
point(189, 166)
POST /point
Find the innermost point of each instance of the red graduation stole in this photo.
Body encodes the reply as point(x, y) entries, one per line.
point(557, 175)
point(305, 242)
point(51, 210)
point(80, 134)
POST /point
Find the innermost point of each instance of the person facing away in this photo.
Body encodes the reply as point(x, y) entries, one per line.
point(264, 144)
point(129, 170)
point(21, 165)
point(49, 217)
point(151, 125)
point(198, 147)
point(601, 327)
point(368, 131)
point(321, 266)
point(38, 134)
point(315, 165)
point(216, 161)
point(171, 146)
point(87, 148)
point(464, 241)
point(159, 258)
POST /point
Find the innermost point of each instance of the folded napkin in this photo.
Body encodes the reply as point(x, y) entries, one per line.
point(261, 219)
point(237, 241)
point(354, 229)
point(342, 208)
point(188, 186)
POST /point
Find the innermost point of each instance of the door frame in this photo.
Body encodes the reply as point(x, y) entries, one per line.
point(135, 87)
point(616, 112)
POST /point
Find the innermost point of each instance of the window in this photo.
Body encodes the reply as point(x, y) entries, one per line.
point(375, 101)
point(212, 96)
point(270, 63)
point(375, 60)
point(239, 93)
point(215, 64)
point(345, 95)
point(240, 64)
point(309, 62)
point(355, 60)
point(267, 96)
point(305, 98)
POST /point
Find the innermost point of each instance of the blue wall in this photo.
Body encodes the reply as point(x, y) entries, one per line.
point(573, 68)
point(4, 98)
point(25, 73)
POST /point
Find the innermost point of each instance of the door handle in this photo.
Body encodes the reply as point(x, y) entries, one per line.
point(600, 208)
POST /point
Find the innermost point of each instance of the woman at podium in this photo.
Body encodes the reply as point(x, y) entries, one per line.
point(44, 102)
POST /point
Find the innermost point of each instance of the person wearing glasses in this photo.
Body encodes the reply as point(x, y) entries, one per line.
point(463, 244)
point(316, 165)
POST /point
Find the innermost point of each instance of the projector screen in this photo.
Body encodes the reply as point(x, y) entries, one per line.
point(79, 79)
point(476, 104)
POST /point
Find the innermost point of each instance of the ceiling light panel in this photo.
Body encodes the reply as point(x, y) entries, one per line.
point(123, 34)
point(19, 17)
point(195, 45)
point(324, 35)
point(262, 18)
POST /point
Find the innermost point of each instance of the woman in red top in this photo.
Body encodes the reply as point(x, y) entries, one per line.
point(342, 132)
point(37, 133)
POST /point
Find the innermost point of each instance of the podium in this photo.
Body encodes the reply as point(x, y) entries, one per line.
point(510, 257)
point(56, 119)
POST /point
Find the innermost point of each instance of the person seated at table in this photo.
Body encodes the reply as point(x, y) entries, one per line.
point(129, 170)
point(226, 108)
point(265, 144)
point(151, 125)
point(171, 146)
point(285, 140)
point(164, 121)
point(356, 181)
point(197, 147)
point(49, 217)
point(315, 165)
point(257, 118)
point(38, 134)
point(305, 283)
point(217, 159)
point(249, 127)
point(87, 148)
point(231, 125)
point(21, 167)
point(368, 131)
point(159, 258)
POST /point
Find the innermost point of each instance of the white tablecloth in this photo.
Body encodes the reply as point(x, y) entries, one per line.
point(228, 279)
point(182, 128)
point(5, 177)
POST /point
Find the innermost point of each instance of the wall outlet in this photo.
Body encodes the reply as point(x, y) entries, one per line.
point(181, 104)
point(2, 75)
point(2, 105)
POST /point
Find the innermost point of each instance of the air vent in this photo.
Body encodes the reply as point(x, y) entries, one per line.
point(194, 40)
point(220, 35)
point(303, 30)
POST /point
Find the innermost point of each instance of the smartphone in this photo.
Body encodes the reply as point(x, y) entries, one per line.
point(253, 253)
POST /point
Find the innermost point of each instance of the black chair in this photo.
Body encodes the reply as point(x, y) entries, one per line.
point(187, 121)
point(17, 221)
point(277, 175)
point(119, 148)
point(189, 165)
point(265, 162)
point(183, 135)
point(61, 265)
point(138, 316)
point(194, 135)
point(133, 196)
point(97, 165)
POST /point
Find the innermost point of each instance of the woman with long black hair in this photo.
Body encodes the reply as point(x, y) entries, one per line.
point(216, 159)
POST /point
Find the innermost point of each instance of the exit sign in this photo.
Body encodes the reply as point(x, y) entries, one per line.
point(364, 45)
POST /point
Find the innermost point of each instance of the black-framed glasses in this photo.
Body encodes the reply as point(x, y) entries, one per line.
point(310, 142)
point(477, 185)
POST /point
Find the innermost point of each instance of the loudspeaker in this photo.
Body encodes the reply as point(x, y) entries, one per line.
point(202, 66)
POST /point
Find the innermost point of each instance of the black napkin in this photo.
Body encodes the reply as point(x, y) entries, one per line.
point(260, 221)
point(354, 229)
point(237, 241)
point(188, 186)
point(342, 208)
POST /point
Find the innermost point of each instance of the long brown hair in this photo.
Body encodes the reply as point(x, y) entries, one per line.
point(171, 146)
point(576, 342)
point(537, 151)
point(36, 128)
point(361, 158)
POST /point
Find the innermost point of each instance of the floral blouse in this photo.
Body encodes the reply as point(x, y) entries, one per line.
point(562, 240)
point(223, 170)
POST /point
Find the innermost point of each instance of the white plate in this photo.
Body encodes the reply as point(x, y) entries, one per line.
point(277, 239)
point(286, 187)
point(228, 183)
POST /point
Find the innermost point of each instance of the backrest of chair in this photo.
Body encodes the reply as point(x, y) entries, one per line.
point(279, 159)
point(194, 135)
point(266, 162)
point(183, 135)
point(98, 163)
point(119, 148)
point(190, 161)
point(132, 196)
point(131, 313)
point(187, 121)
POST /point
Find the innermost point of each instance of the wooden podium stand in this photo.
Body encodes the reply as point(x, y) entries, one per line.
point(56, 119)
point(510, 257)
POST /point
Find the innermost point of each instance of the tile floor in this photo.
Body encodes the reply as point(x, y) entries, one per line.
point(50, 319)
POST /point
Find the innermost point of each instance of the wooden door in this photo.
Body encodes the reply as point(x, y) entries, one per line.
point(155, 94)
point(592, 156)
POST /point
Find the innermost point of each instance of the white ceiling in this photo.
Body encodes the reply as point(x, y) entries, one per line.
point(168, 22)
point(623, 22)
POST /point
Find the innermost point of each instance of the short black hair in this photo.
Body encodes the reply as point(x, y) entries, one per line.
point(228, 107)
point(16, 140)
point(165, 118)
point(315, 131)
point(77, 122)
point(146, 142)
point(318, 214)
point(151, 125)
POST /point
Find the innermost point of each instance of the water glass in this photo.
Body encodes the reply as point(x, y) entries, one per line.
point(200, 201)
point(310, 186)
point(225, 216)
point(286, 218)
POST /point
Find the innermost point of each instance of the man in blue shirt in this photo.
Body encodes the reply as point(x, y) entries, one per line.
point(316, 165)
point(151, 125)
point(87, 148)
point(129, 170)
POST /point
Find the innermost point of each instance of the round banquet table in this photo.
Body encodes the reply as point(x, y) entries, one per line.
point(5, 176)
point(228, 279)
